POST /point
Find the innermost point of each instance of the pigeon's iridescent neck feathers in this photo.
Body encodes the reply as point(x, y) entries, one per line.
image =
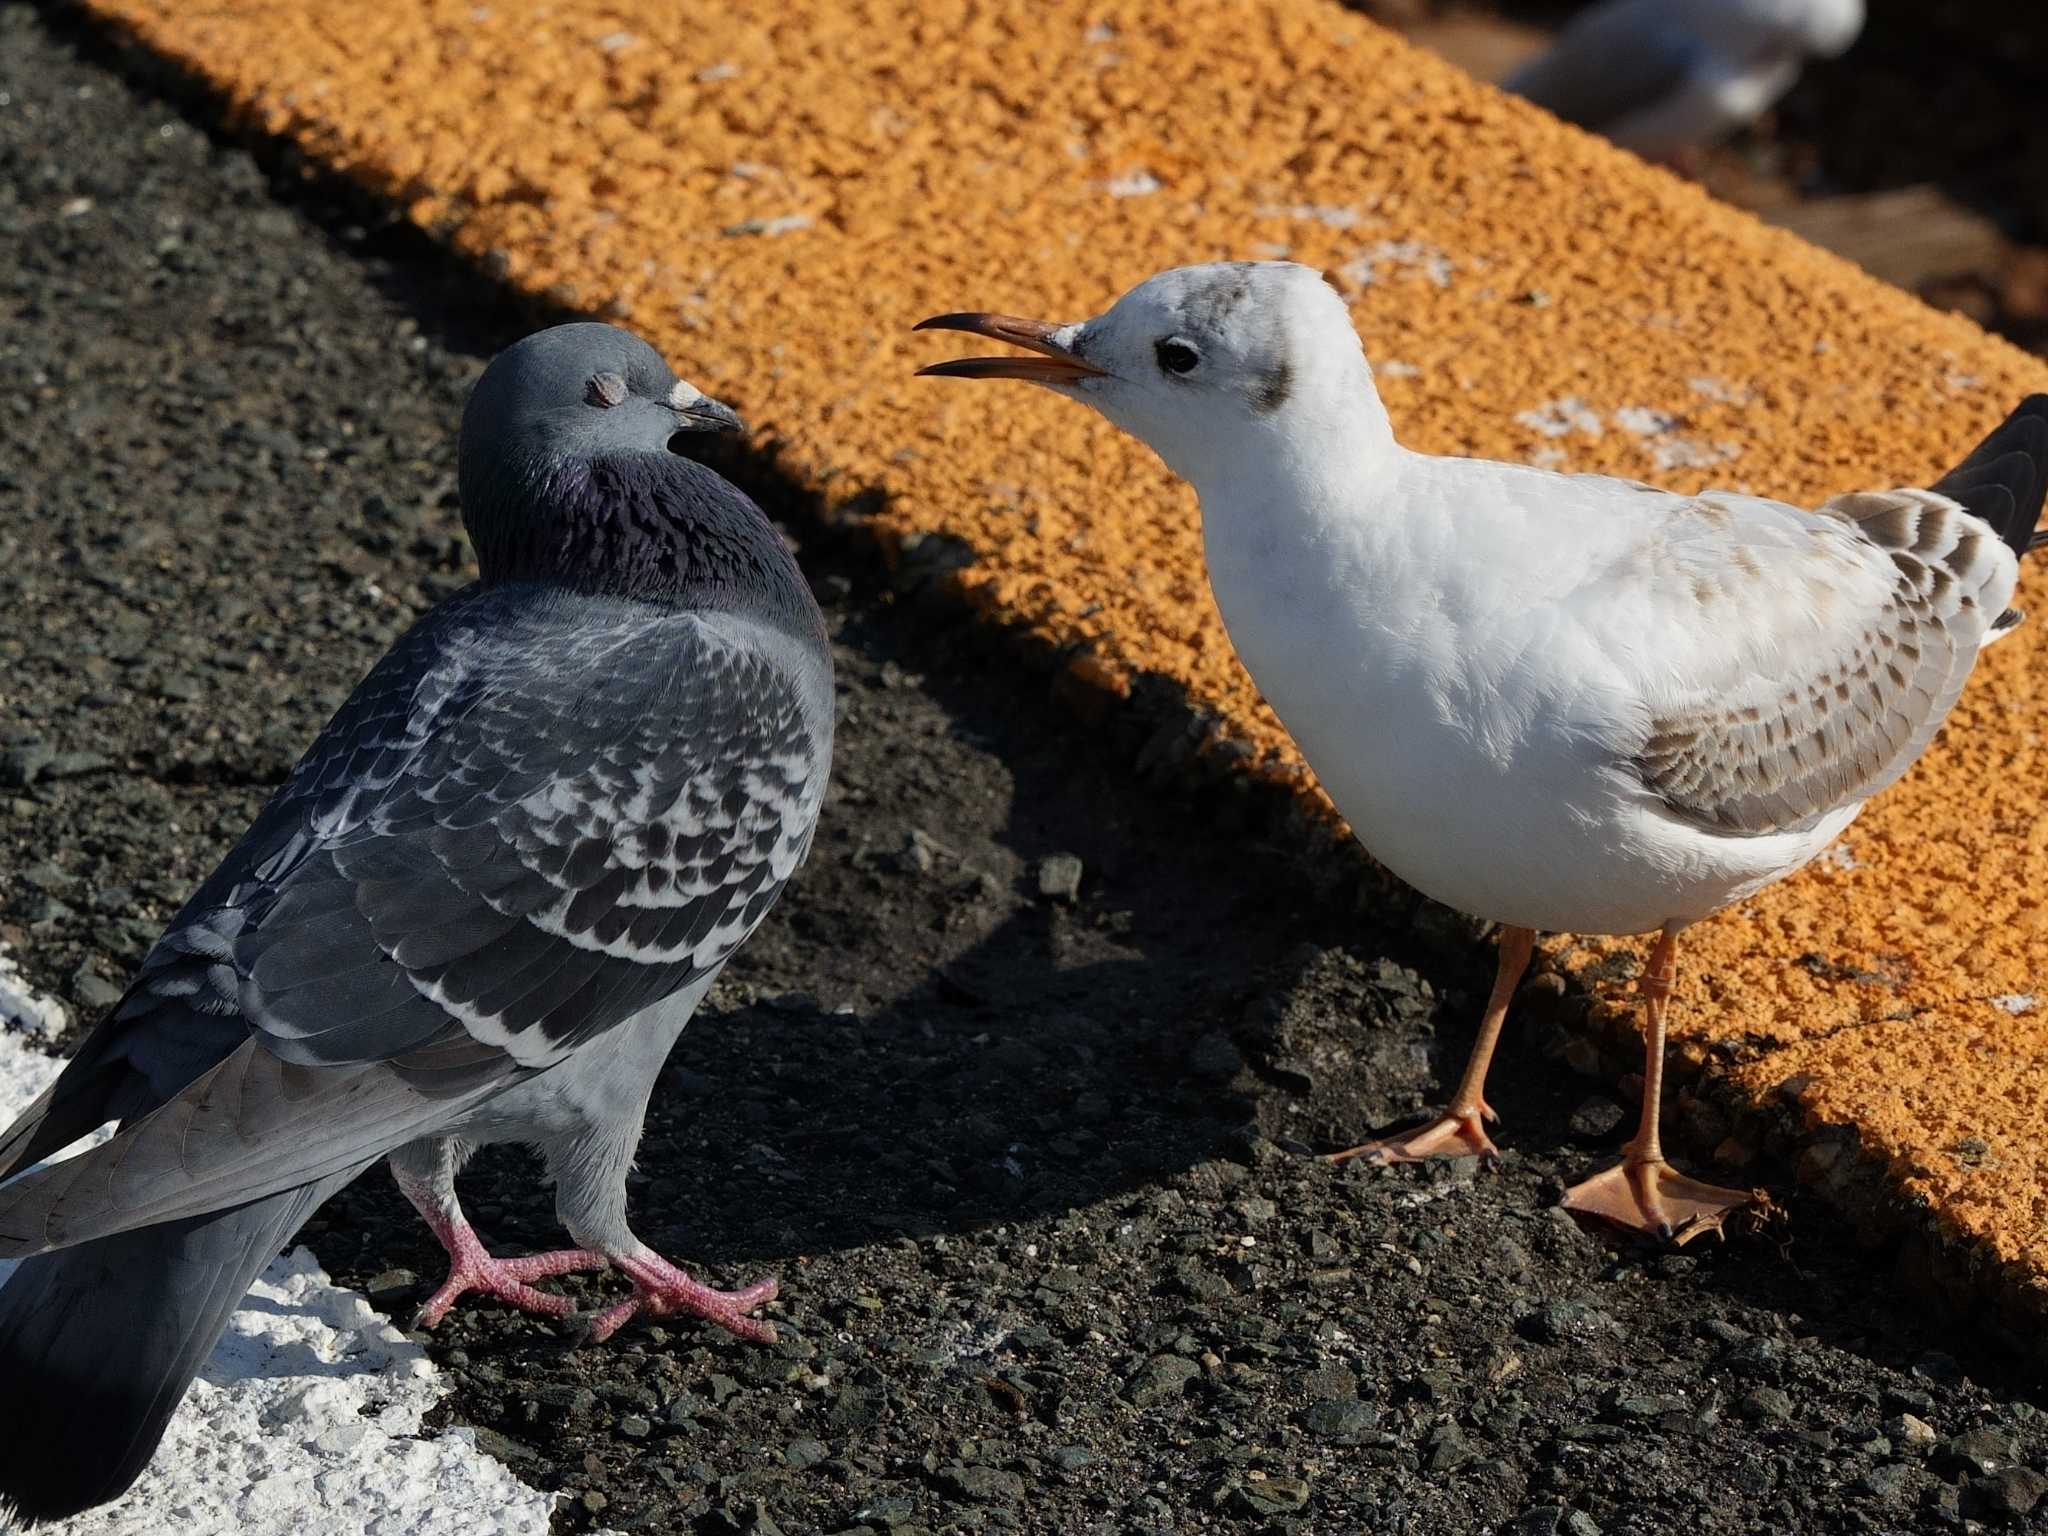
point(655, 528)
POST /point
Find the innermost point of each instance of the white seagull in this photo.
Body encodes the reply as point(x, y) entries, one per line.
point(1561, 702)
point(1664, 76)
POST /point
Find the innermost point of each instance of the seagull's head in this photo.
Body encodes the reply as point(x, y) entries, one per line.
point(569, 394)
point(1206, 364)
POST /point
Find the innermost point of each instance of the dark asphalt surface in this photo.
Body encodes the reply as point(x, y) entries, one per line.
point(1029, 1155)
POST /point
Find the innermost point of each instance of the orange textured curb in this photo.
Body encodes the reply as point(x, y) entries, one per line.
point(774, 191)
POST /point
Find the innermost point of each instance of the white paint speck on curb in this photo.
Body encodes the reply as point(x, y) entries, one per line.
point(1336, 216)
point(1656, 430)
point(1138, 183)
point(1559, 418)
point(306, 1420)
point(1412, 256)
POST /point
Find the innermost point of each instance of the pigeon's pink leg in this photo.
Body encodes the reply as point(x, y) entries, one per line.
point(425, 1172)
point(662, 1289)
point(471, 1268)
point(1461, 1131)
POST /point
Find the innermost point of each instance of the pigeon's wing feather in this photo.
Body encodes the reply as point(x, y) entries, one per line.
point(650, 786)
point(1612, 63)
point(518, 834)
point(1807, 658)
point(251, 1127)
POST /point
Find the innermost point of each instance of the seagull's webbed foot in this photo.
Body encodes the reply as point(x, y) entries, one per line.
point(1461, 1130)
point(1456, 1133)
point(661, 1290)
point(1643, 1193)
point(471, 1268)
point(1649, 1197)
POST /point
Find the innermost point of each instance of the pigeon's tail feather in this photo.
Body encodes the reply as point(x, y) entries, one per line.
point(22, 1143)
point(98, 1343)
point(2005, 480)
point(79, 1102)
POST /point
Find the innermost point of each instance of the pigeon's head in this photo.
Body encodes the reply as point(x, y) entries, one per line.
point(557, 401)
point(1203, 363)
point(584, 389)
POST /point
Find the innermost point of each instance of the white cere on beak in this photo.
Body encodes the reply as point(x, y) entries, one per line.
point(684, 395)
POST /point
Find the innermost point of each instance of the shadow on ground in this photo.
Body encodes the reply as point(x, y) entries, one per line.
point(1014, 1089)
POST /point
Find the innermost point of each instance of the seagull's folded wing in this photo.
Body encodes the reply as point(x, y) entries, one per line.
point(1799, 662)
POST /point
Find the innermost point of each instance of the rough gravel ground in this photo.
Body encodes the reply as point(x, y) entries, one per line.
point(1029, 1156)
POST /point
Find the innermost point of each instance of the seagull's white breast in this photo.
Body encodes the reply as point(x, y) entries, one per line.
point(1465, 726)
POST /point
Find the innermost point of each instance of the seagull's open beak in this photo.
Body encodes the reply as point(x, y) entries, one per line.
point(1053, 364)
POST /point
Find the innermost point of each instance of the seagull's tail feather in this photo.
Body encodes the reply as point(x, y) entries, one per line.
point(98, 1343)
point(2006, 479)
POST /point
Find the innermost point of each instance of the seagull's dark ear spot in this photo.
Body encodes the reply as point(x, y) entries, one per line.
point(1271, 388)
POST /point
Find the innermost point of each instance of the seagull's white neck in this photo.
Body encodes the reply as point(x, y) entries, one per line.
point(1289, 477)
point(1299, 519)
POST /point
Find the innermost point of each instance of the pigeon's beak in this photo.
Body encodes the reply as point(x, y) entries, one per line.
point(701, 413)
point(1053, 364)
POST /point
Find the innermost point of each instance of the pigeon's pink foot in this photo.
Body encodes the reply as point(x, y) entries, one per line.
point(663, 1290)
point(471, 1268)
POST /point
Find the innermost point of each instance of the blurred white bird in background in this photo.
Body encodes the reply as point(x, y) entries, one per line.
point(1664, 77)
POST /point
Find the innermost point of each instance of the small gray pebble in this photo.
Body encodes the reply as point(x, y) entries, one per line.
point(1059, 877)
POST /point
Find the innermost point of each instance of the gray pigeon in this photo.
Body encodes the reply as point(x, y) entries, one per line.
point(481, 909)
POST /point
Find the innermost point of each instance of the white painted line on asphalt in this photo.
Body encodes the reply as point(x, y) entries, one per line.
point(307, 1418)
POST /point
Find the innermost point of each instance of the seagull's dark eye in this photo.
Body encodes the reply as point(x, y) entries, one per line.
point(605, 389)
point(1175, 355)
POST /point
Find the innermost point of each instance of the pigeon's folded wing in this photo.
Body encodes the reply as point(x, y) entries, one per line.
point(517, 834)
point(588, 821)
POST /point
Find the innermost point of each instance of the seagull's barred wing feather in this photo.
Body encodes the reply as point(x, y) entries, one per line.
point(517, 834)
point(1825, 650)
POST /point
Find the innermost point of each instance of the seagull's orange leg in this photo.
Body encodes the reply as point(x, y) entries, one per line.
point(1643, 1193)
point(1462, 1131)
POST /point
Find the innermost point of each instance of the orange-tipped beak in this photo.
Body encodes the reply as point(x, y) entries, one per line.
point(1052, 364)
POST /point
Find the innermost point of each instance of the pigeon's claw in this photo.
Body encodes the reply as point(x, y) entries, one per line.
point(471, 1268)
point(662, 1290)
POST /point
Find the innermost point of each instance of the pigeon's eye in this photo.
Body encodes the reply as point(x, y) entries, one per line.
point(1175, 355)
point(605, 389)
